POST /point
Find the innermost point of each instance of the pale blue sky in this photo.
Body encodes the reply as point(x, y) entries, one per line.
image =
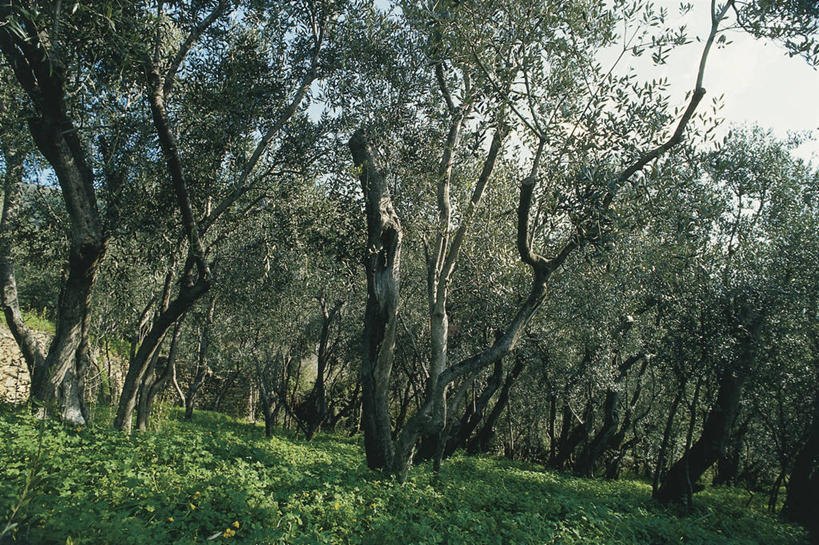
point(760, 83)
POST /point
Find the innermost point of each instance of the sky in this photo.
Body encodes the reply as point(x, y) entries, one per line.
point(760, 83)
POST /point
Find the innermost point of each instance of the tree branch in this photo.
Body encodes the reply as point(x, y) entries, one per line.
point(170, 75)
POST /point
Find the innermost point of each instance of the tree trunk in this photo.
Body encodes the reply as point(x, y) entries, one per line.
point(801, 503)
point(315, 411)
point(41, 74)
point(677, 485)
point(148, 381)
point(630, 421)
point(382, 259)
point(190, 396)
point(551, 429)
point(202, 368)
point(572, 436)
point(588, 457)
point(475, 411)
point(156, 381)
point(773, 496)
point(659, 471)
point(267, 410)
point(196, 278)
point(403, 408)
point(584, 465)
point(727, 471)
point(251, 403)
point(566, 417)
point(384, 234)
point(12, 188)
point(481, 442)
point(225, 385)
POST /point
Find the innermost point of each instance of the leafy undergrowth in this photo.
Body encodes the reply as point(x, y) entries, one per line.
point(33, 319)
point(220, 479)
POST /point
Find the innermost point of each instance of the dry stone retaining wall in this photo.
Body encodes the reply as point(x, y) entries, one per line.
point(14, 377)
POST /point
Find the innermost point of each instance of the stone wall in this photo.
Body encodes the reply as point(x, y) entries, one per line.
point(14, 377)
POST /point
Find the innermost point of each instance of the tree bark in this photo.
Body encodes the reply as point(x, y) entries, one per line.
point(267, 409)
point(157, 380)
point(590, 454)
point(196, 278)
point(551, 428)
point(659, 471)
point(316, 404)
point(573, 435)
point(382, 260)
point(475, 412)
point(251, 403)
point(727, 471)
point(202, 368)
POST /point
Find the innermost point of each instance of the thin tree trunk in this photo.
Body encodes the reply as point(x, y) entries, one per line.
point(267, 409)
point(482, 440)
point(575, 435)
point(590, 454)
point(475, 411)
point(551, 429)
point(196, 278)
point(669, 424)
point(677, 486)
point(316, 405)
point(251, 403)
point(158, 380)
point(178, 389)
point(773, 496)
point(12, 187)
point(727, 471)
point(202, 368)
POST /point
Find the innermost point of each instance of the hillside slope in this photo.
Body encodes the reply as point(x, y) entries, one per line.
point(221, 479)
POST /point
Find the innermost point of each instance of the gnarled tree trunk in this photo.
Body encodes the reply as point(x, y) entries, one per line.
point(41, 74)
point(475, 412)
point(382, 260)
point(603, 439)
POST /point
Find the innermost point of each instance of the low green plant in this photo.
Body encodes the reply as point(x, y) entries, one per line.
point(34, 319)
point(215, 479)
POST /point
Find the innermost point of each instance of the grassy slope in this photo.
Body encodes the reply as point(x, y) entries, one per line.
point(191, 481)
point(34, 320)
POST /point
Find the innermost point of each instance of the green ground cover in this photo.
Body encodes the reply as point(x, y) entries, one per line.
point(33, 319)
point(219, 479)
